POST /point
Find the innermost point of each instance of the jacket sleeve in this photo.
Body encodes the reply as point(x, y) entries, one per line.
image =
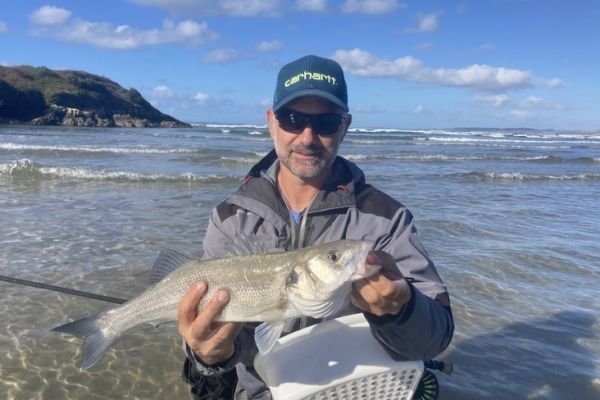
point(424, 327)
point(244, 349)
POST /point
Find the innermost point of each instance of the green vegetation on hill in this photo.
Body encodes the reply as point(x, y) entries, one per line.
point(44, 96)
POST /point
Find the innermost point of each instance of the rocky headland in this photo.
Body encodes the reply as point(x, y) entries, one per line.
point(41, 96)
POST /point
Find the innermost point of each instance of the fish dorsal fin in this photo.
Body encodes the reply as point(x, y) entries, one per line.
point(266, 335)
point(167, 262)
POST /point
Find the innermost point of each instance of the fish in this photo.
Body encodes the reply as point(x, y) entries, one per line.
point(270, 288)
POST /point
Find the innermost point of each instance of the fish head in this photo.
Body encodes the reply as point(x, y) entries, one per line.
point(325, 268)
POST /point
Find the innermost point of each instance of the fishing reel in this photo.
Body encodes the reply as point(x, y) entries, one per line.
point(428, 387)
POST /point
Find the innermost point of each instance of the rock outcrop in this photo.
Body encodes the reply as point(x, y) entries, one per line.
point(41, 96)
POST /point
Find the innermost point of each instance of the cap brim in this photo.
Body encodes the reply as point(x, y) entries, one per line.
point(311, 92)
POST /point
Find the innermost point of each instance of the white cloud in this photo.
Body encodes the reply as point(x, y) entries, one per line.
point(49, 15)
point(555, 83)
point(522, 115)
point(123, 37)
point(522, 109)
point(201, 98)
point(247, 8)
point(534, 102)
point(494, 100)
point(3, 27)
point(171, 100)
point(477, 76)
point(362, 63)
point(269, 47)
point(266, 103)
point(311, 5)
point(371, 6)
point(420, 109)
point(531, 102)
point(186, 105)
point(222, 56)
point(236, 8)
point(163, 92)
point(428, 22)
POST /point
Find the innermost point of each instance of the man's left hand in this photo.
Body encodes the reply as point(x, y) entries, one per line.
point(385, 292)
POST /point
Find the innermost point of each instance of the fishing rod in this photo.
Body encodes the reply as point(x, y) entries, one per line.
point(61, 289)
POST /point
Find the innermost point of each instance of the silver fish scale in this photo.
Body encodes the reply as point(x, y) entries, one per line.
point(256, 285)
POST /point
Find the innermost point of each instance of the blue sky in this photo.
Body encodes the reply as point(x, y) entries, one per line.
point(409, 64)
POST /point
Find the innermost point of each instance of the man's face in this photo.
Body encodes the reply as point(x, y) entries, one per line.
point(307, 154)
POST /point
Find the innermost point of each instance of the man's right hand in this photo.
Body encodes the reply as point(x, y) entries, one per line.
point(212, 342)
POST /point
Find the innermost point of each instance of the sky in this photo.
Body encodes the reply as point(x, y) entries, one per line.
point(408, 64)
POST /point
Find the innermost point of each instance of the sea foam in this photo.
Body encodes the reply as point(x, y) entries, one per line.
point(89, 149)
point(27, 169)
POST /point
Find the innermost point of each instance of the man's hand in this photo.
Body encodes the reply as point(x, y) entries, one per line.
point(385, 292)
point(211, 341)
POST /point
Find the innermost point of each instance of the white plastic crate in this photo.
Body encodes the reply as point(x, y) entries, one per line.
point(337, 359)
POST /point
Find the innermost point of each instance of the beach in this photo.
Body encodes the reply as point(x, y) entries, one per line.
point(510, 217)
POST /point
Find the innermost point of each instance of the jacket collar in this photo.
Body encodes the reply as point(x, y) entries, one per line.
point(338, 192)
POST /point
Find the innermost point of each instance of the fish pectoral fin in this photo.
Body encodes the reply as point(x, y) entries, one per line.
point(266, 335)
point(325, 307)
point(167, 262)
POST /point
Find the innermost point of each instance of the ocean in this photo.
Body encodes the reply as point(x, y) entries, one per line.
point(511, 218)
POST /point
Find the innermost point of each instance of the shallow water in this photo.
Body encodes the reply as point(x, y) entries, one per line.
point(511, 219)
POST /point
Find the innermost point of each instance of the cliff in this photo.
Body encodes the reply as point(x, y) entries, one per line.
point(42, 96)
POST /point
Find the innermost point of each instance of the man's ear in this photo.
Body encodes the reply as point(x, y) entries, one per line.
point(347, 122)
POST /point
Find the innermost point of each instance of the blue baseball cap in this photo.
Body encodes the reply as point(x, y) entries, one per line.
point(311, 76)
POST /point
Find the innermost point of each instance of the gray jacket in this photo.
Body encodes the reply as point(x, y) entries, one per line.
point(346, 208)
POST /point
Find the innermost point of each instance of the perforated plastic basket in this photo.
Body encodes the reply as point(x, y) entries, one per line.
point(337, 359)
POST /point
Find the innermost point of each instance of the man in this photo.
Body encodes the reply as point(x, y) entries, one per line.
point(302, 194)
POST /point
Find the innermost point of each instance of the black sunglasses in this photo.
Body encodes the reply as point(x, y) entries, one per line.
point(295, 122)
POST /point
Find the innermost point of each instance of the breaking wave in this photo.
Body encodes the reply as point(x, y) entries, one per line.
point(520, 176)
point(226, 126)
point(91, 149)
point(26, 169)
point(503, 139)
point(248, 160)
point(444, 157)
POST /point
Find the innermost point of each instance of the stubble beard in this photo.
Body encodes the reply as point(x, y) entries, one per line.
point(306, 169)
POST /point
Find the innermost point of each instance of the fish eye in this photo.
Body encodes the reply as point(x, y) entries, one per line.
point(333, 256)
point(292, 278)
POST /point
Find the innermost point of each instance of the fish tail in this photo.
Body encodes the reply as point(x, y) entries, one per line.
point(95, 342)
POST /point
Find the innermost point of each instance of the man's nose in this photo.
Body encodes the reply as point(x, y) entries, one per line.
point(308, 135)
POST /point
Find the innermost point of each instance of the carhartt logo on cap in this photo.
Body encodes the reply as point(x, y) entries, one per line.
point(310, 75)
